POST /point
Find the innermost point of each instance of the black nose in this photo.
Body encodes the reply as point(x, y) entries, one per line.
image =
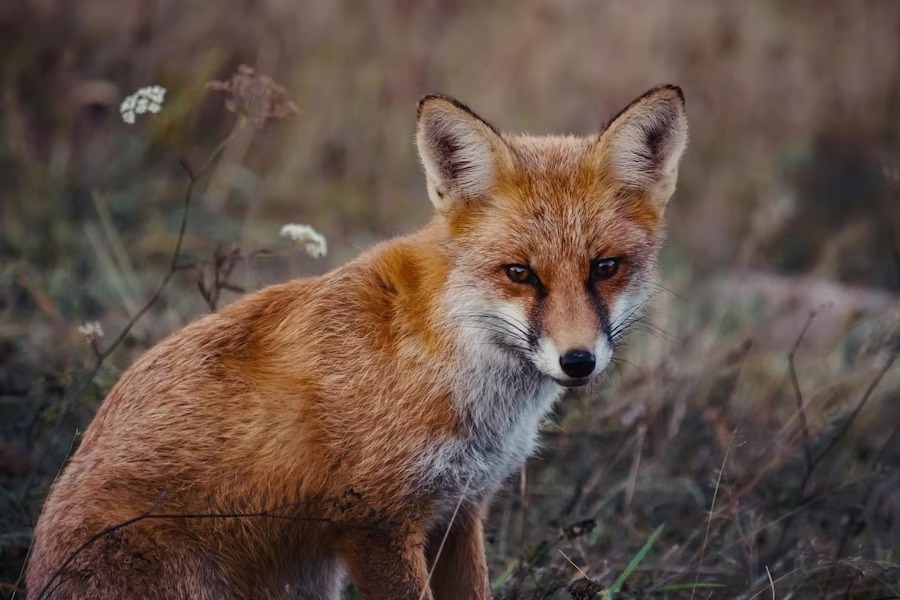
point(577, 363)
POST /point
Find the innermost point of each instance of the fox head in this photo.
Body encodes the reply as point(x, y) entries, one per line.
point(552, 240)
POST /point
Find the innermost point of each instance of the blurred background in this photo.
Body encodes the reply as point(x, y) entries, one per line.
point(781, 274)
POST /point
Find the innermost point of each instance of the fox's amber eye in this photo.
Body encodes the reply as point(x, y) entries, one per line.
point(521, 274)
point(604, 268)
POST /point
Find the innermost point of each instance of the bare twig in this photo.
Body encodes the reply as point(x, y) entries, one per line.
point(31, 545)
point(771, 583)
point(577, 568)
point(102, 354)
point(712, 509)
point(593, 478)
point(853, 415)
point(149, 515)
point(888, 443)
point(222, 266)
point(798, 395)
point(46, 591)
point(523, 501)
point(635, 468)
point(857, 517)
point(437, 556)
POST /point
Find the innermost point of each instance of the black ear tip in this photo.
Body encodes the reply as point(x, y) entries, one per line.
point(429, 98)
point(668, 92)
point(671, 88)
point(426, 99)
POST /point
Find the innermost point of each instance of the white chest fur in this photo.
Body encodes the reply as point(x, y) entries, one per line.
point(499, 396)
point(502, 405)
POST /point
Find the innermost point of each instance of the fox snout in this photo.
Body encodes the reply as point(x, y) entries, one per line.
point(573, 343)
point(572, 366)
point(578, 364)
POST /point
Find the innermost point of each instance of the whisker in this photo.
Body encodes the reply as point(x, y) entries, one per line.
point(659, 285)
point(502, 321)
point(657, 330)
point(508, 320)
point(522, 325)
point(493, 329)
point(641, 324)
point(498, 331)
point(499, 323)
point(632, 313)
point(620, 361)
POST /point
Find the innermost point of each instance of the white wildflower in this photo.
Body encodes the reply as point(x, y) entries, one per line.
point(313, 242)
point(156, 93)
point(145, 100)
point(91, 330)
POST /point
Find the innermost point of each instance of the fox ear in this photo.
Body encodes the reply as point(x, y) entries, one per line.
point(642, 145)
point(461, 152)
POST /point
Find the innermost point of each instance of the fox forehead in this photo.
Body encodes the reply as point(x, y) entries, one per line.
point(554, 206)
point(549, 154)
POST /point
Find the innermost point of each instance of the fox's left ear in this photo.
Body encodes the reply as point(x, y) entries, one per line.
point(461, 152)
point(643, 144)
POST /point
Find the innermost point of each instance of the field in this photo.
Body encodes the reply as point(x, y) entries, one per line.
point(746, 444)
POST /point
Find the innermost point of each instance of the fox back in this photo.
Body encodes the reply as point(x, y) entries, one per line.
point(360, 422)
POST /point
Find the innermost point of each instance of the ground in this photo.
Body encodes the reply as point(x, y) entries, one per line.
point(744, 445)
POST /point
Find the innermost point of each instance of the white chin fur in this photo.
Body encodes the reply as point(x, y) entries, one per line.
point(546, 359)
point(603, 351)
point(628, 307)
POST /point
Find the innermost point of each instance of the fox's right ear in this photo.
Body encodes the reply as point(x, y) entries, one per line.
point(461, 152)
point(644, 143)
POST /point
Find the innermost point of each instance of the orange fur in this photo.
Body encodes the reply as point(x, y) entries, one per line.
point(345, 416)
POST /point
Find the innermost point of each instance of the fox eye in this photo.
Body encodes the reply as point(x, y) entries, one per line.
point(605, 268)
point(522, 274)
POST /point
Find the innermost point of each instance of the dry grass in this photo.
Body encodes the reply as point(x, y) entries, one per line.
point(705, 437)
point(756, 444)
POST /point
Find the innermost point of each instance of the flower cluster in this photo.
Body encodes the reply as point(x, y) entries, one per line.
point(146, 99)
point(255, 96)
point(314, 243)
point(91, 330)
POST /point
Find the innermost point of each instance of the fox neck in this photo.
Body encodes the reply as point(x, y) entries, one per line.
point(500, 393)
point(499, 398)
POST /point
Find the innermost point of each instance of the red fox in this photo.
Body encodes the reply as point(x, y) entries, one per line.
point(359, 422)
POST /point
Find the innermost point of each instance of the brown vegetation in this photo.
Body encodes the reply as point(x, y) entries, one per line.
point(770, 454)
